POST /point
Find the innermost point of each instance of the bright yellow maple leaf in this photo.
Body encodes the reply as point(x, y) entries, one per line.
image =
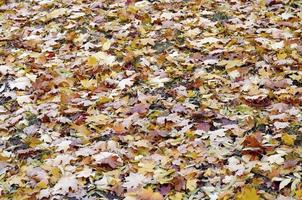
point(288, 139)
point(299, 194)
point(42, 185)
point(248, 193)
point(103, 100)
point(91, 61)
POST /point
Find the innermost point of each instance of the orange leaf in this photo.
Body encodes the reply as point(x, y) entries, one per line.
point(148, 194)
point(251, 141)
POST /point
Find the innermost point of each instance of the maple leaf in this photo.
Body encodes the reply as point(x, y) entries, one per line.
point(134, 180)
point(57, 13)
point(65, 184)
point(5, 69)
point(191, 184)
point(248, 193)
point(104, 59)
point(44, 194)
point(38, 174)
point(149, 194)
point(81, 129)
point(91, 61)
point(231, 63)
point(132, 95)
point(20, 83)
point(299, 193)
point(89, 84)
point(277, 158)
point(177, 196)
point(281, 125)
point(288, 139)
point(112, 159)
point(251, 141)
point(99, 119)
point(125, 82)
point(86, 172)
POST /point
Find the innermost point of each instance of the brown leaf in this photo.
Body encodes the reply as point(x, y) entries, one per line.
point(258, 102)
point(252, 141)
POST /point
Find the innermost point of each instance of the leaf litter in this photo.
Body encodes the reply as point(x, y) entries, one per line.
point(150, 100)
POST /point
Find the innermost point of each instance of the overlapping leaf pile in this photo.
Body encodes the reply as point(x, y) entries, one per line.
point(150, 100)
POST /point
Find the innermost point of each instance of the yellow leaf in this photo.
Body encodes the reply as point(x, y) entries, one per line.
point(229, 64)
point(262, 4)
point(55, 175)
point(3, 158)
point(42, 185)
point(98, 119)
point(132, 9)
point(55, 172)
point(57, 13)
point(248, 193)
point(89, 84)
point(163, 176)
point(281, 55)
point(81, 129)
point(146, 167)
point(191, 93)
point(33, 141)
point(191, 184)
point(177, 196)
point(190, 134)
point(299, 193)
point(288, 139)
point(103, 100)
point(91, 61)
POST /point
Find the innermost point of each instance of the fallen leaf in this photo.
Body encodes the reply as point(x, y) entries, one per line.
point(65, 184)
point(134, 180)
point(288, 139)
point(91, 61)
point(20, 83)
point(248, 193)
point(57, 13)
point(111, 159)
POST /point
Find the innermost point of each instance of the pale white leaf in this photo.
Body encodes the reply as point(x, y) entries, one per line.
point(125, 82)
point(284, 183)
point(65, 184)
point(5, 69)
point(281, 125)
point(20, 83)
point(134, 180)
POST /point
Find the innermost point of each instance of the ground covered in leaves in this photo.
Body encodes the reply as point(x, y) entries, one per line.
point(150, 100)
